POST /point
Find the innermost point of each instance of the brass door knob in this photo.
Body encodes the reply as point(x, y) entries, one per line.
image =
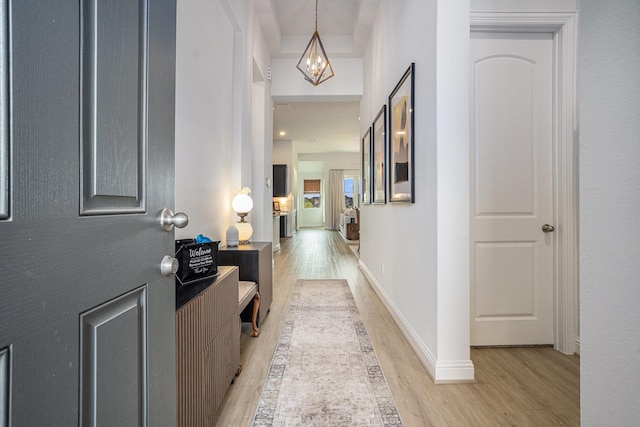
point(548, 228)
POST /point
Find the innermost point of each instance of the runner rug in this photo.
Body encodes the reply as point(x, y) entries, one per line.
point(324, 371)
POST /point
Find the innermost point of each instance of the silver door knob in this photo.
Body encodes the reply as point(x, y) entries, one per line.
point(548, 228)
point(168, 219)
point(169, 266)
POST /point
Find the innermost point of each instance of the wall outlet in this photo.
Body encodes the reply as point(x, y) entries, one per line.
point(382, 268)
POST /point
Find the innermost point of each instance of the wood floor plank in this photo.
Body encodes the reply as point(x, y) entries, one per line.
point(515, 387)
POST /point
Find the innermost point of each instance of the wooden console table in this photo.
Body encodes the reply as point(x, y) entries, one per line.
point(255, 263)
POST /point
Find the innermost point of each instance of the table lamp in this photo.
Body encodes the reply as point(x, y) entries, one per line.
point(242, 205)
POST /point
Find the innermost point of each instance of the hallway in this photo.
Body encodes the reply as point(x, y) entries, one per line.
point(524, 386)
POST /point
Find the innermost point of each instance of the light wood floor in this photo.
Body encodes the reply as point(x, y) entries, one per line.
point(514, 387)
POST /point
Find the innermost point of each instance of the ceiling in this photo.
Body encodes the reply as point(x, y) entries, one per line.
point(336, 16)
point(344, 27)
point(318, 127)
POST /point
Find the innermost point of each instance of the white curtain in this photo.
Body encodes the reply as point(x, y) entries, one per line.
point(336, 198)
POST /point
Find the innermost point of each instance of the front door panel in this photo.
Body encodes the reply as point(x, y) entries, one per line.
point(113, 347)
point(114, 80)
point(86, 313)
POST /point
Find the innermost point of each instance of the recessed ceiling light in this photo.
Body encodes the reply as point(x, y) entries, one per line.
point(282, 133)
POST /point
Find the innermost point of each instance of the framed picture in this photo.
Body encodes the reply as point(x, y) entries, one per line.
point(276, 206)
point(401, 163)
point(366, 167)
point(379, 149)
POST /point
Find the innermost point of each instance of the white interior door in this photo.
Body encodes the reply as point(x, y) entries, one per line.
point(512, 258)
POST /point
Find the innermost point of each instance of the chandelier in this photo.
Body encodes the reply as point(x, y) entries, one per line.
point(314, 63)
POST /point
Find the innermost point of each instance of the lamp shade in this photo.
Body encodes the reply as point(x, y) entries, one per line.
point(242, 203)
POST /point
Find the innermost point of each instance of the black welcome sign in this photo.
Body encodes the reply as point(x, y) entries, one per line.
point(196, 261)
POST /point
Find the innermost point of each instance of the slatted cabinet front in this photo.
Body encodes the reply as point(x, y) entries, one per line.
point(207, 350)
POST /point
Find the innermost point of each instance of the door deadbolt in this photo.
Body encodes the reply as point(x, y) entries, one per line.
point(168, 266)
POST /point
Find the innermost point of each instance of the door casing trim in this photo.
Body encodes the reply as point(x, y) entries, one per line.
point(563, 26)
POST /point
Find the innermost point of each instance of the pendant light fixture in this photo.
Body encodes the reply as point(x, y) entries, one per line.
point(314, 63)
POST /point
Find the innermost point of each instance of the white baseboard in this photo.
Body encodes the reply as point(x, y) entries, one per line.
point(454, 372)
point(442, 372)
point(577, 349)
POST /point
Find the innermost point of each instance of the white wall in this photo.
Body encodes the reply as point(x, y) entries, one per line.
point(609, 94)
point(283, 155)
point(290, 83)
point(398, 242)
point(332, 160)
point(262, 168)
point(417, 254)
point(453, 193)
point(218, 45)
point(204, 155)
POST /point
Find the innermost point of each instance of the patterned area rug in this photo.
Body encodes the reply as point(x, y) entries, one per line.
point(324, 371)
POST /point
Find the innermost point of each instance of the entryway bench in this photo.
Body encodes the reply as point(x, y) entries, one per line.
point(247, 292)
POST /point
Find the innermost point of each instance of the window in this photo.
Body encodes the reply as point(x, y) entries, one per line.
point(311, 193)
point(351, 190)
point(348, 191)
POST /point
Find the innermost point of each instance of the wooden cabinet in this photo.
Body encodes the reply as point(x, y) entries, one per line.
point(207, 346)
point(255, 263)
point(353, 231)
point(279, 180)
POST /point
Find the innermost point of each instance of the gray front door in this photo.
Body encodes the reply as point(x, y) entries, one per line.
point(86, 165)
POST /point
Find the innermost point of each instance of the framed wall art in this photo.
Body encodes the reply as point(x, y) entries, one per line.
point(379, 149)
point(401, 126)
point(366, 167)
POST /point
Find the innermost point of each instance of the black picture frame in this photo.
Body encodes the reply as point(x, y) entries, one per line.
point(367, 156)
point(401, 139)
point(379, 169)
